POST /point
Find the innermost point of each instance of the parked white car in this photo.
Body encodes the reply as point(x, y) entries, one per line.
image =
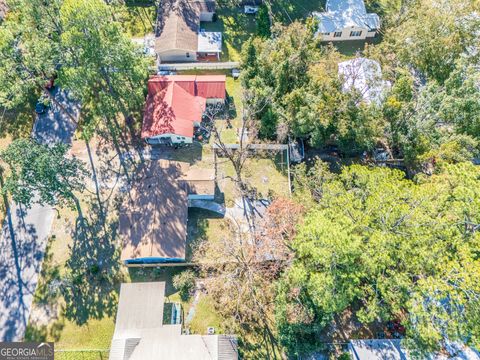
point(251, 9)
point(235, 73)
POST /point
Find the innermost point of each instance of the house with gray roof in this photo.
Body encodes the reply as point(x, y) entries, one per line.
point(346, 20)
point(392, 349)
point(147, 329)
point(179, 37)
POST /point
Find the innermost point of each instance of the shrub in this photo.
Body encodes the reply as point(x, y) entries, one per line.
point(263, 22)
point(185, 283)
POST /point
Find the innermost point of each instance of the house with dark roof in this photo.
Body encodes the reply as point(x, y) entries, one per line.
point(179, 37)
point(346, 20)
point(147, 329)
point(154, 214)
point(175, 106)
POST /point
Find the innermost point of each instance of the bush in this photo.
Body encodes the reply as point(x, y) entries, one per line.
point(185, 283)
point(263, 22)
point(345, 356)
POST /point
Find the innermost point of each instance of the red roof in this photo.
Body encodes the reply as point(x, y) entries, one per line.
point(175, 102)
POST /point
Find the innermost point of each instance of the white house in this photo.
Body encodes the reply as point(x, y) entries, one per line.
point(147, 328)
point(346, 20)
point(365, 76)
point(392, 349)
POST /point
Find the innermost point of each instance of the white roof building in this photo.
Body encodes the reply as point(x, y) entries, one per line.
point(140, 333)
point(346, 20)
point(392, 349)
point(365, 76)
point(210, 43)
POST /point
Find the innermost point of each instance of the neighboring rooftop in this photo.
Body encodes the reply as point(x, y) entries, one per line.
point(199, 181)
point(365, 76)
point(141, 335)
point(392, 349)
point(3, 9)
point(178, 24)
point(175, 102)
point(341, 14)
point(209, 42)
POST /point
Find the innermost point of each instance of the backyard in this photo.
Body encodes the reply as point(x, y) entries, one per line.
point(236, 28)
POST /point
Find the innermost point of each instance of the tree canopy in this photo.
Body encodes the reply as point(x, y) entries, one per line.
point(80, 44)
point(43, 174)
point(388, 249)
point(429, 54)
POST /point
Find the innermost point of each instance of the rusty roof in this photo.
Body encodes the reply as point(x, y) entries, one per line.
point(174, 103)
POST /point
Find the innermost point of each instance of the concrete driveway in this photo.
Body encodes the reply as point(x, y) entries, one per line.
point(21, 259)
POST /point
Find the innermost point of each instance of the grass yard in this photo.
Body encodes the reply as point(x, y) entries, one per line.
point(267, 175)
point(205, 316)
point(288, 11)
point(203, 225)
point(236, 28)
point(97, 334)
point(4, 142)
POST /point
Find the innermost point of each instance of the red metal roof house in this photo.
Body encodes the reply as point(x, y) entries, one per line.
point(175, 105)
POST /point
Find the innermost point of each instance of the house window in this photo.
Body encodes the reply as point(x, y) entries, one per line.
point(325, 34)
point(355, 33)
point(337, 34)
point(187, 54)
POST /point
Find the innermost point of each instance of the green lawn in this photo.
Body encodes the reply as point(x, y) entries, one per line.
point(96, 334)
point(288, 11)
point(81, 355)
point(205, 316)
point(267, 175)
point(236, 27)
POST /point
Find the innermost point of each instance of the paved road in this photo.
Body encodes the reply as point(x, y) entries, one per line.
point(21, 259)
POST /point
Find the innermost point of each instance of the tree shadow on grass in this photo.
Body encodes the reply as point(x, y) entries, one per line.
point(90, 286)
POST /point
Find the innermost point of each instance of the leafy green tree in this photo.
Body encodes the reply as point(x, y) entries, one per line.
point(29, 51)
point(387, 248)
point(101, 67)
point(263, 22)
point(82, 44)
point(185, 283)
point(430, 35)
point(38, 173)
